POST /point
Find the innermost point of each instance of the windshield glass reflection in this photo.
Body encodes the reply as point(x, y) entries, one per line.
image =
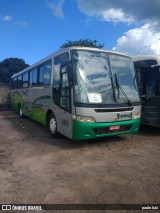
point(93, 82)
point(124, 70)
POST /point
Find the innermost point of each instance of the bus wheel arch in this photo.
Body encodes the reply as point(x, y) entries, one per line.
point(52, 124)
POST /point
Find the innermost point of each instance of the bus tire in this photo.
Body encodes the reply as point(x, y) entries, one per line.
point(52, 126)
point(21, 115)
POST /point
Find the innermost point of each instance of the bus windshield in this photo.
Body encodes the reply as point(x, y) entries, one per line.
point(124, 76)
point(95, 78)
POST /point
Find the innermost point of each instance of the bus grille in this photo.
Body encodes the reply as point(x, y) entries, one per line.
point(114, 110)
point(106, 130)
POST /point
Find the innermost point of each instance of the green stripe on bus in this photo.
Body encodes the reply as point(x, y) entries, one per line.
point(41, 98)
point(37, 114)
point(15, 100)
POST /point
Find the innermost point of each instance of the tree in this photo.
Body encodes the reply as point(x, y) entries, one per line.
point(82, 43)
point(10, 66)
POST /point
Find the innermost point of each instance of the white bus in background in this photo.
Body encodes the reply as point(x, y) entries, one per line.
point(80, 92)
point(148, 67)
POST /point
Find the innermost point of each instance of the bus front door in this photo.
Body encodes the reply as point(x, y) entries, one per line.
point(64, 115)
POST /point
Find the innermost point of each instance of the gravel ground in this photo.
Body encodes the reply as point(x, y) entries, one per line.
point(37, 169)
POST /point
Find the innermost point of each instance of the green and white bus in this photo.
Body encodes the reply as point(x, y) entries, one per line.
point(80, 92)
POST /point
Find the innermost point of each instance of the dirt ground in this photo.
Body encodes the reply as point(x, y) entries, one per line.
point(37, 169)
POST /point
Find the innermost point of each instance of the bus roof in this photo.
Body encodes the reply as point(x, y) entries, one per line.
point(147, 57)
point(63, 51)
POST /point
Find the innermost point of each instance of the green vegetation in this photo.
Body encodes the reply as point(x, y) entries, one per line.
point(10, 66)
point(82, 43)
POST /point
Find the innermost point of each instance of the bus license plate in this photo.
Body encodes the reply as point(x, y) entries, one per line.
point(113, 128)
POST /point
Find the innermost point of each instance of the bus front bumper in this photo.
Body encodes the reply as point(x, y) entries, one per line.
point(86, 130)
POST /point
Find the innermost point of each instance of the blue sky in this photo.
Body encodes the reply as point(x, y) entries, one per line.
point(33, 29)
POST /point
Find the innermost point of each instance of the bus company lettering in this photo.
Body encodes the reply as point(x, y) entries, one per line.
point(65, 122)
point(121, 116)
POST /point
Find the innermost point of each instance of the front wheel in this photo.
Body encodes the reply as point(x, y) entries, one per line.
point(52, 126)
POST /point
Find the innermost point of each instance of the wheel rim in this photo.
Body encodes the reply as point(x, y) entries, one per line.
point(52, 125)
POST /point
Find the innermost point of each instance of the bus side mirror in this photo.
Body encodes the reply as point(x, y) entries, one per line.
point(69, 67)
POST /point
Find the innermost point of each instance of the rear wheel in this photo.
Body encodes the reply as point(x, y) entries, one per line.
point(52, 126)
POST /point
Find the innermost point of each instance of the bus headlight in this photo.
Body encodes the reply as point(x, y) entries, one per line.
point(137, 115)
point(83, 118)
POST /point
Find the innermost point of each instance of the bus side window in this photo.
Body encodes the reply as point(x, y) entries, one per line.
point(33, 77)
point(45, 74)
point(25, 80)
point(41, 70)
point(30, 78)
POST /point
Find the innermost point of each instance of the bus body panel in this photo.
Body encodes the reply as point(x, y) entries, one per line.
point(126, 122)
point(64, 122)
point(38, 100)
point(151, 111)
point(84, 130)
point(115, 115)
point(33, 105)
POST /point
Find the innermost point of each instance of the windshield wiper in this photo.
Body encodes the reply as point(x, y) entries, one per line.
point(119, 88)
